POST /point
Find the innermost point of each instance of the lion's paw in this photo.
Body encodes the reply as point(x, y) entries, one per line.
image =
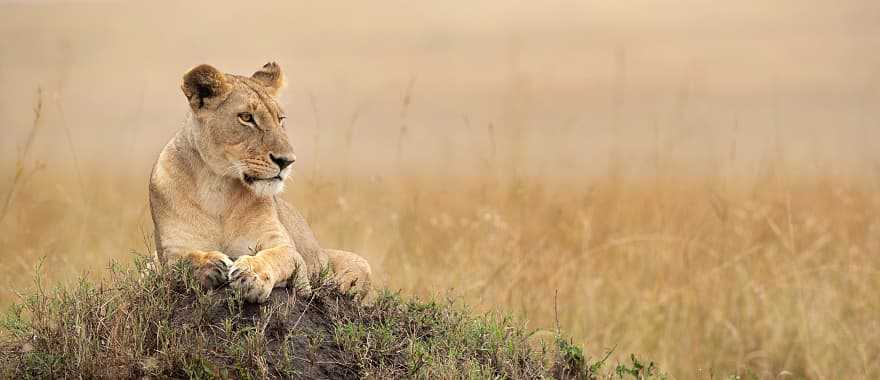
point(251, 277)
point(211, 269)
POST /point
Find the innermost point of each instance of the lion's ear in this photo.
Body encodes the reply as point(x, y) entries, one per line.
point(271, 77)
point(203, 84)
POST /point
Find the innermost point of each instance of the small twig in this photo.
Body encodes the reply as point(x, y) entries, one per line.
point(308, 305)
point(19, 170)
point(556, 310)
point(405, 101)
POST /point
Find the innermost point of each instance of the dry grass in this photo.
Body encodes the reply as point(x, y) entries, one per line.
point(770, 274)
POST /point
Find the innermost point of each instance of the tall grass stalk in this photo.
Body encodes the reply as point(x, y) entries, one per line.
point(20, 169)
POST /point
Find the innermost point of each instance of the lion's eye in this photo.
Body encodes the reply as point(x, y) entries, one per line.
point(246, 118)
point(281, 120)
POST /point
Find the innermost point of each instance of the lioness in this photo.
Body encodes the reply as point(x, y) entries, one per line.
point(214, 192)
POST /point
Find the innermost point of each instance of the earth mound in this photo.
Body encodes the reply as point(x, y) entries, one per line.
point(151, 323)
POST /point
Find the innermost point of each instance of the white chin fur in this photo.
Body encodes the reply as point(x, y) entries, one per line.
point(267, 188)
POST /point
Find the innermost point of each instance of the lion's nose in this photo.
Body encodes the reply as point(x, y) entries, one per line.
point(281, 161)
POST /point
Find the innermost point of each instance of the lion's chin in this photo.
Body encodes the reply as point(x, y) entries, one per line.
point(266, 187)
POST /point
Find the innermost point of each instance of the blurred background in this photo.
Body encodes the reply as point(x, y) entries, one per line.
point(692, 181)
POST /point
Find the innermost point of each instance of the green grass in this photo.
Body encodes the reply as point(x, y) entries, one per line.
point(159, 323)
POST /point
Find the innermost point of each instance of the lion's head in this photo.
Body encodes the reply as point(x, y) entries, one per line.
point(239, 126)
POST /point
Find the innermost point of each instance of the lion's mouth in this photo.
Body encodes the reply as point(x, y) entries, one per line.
point(249, 179)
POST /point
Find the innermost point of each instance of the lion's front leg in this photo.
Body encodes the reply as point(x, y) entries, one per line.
point(257, 275)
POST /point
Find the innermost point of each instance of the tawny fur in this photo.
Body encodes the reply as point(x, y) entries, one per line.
point(213, 193)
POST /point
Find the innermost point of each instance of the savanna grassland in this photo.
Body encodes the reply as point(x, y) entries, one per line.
point(769, 274)
point(705, 197)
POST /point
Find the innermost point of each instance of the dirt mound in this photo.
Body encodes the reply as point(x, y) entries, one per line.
point(160, 324)
point(294, 332)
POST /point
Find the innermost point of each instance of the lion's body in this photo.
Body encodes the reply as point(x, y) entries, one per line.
point(213, 194)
